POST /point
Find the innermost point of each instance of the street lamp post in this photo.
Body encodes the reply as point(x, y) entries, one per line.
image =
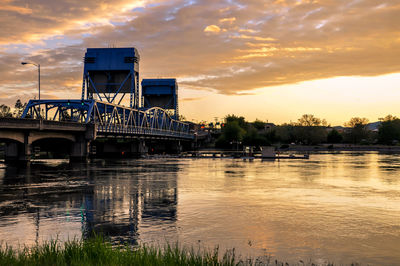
point(38, 66)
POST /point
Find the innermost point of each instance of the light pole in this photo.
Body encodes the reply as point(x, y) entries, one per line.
point(38, 66)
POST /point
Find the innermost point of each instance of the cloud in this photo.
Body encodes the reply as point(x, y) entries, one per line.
point(17, 9)
point(191, 99)
point(274, 43)
point(227, 20)
point(257, 38)
point(38, 20)
point(212, 29)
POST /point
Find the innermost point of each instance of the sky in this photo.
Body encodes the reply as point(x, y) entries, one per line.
point(272, 60)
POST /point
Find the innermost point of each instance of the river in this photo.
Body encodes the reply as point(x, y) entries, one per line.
point(335, 207)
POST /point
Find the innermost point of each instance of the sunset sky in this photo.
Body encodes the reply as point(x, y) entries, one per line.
point(272, 60)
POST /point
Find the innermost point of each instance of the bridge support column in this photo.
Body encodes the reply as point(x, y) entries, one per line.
point(177, 147)
point(174, 147)
point(18, 152)
point(11, 152)
point(142, 147)
point(139, 148)
point(80, 150)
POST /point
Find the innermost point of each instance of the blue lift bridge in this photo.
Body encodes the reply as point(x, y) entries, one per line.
point(109, 75)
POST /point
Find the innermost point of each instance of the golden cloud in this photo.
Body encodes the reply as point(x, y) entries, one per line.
point(212, 29)
point(257, 38)
point(227, 20)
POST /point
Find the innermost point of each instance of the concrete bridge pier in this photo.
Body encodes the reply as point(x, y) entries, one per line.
point(17, 151)
point(118, 148)
point(80, 150)
point(166, 146)
point(139, 148)
point(176, 147)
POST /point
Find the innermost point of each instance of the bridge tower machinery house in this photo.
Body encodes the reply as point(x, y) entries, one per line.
point(111, 73)
point(162, 93)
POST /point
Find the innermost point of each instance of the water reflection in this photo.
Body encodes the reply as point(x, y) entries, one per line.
point(75, 200)
point(341, 207)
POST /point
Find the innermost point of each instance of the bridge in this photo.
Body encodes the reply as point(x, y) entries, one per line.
point(98, 123)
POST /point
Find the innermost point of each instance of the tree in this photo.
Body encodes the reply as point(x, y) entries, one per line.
point(5, 111)
point(310, 130)
point(239, 119)
point(388, 118)
point(258, 124)
point(310, 135)
point(284, 133)
point(233, 132)
point(65, 116)
point(19, 108)
point(359, 131)
point(308, 120)
point(334, 136)
point(389, 130)
point(357, 121)
point(253, 138)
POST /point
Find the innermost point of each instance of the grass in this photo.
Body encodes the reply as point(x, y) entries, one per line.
point(98, 251)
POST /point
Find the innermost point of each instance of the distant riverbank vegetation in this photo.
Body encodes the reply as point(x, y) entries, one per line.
point(308, 130)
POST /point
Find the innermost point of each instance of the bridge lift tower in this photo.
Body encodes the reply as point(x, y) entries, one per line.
point(161, 93)
point(111, 73)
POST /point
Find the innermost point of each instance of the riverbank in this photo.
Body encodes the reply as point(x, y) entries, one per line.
point(311, 148)
point(341, 147)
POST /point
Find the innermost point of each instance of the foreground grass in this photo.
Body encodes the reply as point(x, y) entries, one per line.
point(97, 251)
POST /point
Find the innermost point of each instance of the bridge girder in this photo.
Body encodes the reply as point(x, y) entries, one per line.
point(109, 118)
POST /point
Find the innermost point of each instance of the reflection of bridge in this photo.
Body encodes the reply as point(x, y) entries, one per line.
point(88, 124)
point(119, 201)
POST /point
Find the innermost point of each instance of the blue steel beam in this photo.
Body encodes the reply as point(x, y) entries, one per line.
point(110, 118)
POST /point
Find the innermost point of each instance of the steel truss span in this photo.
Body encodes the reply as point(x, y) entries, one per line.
point(109, 118)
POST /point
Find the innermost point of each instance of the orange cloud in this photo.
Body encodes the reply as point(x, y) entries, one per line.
point(257, 38)
point(18, 9)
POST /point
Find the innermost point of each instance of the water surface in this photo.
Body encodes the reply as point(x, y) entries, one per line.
point(342, 207)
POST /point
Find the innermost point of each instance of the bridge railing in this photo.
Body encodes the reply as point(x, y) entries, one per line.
point(109, 118)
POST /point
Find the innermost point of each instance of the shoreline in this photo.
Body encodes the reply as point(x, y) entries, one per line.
point(315, 148)
point(342, 147)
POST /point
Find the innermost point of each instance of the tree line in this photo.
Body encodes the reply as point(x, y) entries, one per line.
point(6, 111)
point(308, 130)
